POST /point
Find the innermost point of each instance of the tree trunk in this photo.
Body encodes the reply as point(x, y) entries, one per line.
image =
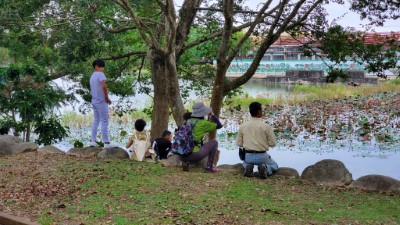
point(166, 93)
point(218, 94)
point(160, 114)
point(28, 133)
point(175, 99)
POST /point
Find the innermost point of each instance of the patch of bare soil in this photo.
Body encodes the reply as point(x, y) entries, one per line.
point(33, 181)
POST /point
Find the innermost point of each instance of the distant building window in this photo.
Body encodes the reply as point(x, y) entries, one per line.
point(278, 57)
point(266, 57)
point(275, 49)
point(291, 56)
point(292, 49)
point(303, 57)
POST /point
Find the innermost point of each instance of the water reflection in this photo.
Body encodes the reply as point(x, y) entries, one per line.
point(255, 87)
point(359, 163)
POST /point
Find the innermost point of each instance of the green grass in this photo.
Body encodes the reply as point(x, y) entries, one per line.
point(396, 81)
point(335, 91)
point(128, 192)
point(244, 102)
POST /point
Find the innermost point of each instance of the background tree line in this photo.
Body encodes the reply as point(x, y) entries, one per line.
point(155, 45)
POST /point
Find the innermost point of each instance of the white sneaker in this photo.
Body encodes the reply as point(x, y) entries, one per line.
point(110, 145)
point(93, 144)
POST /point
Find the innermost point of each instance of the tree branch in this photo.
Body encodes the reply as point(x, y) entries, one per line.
point(257, 20)
point(269, 40)
point(113, 57)
point(119, 29)
point(219, 32)
point(148, 39)
point(226, 34)
point(171, 26)
point(187, 13)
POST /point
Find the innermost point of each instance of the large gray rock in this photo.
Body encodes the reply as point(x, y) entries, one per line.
point(234, 169)
point(85, 152)
point(286, 172)
point(49, 149)
point(7, 142)
point(113, 153)
point(10, 139)
point(23, 147)
point(328, 172)
point(377, 183)
point(172, 161)
point(175, 161)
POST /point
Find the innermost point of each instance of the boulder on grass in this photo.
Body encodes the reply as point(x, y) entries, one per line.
point(234, 169)
point(49, 149)
point(7, 142)
point(175, 161)
point(85, 152)
point(172, 161)
point(286, 172)
point(23, 147)
point(113, 153)
point(203, 162)
point(327, 172)
point(377, 183)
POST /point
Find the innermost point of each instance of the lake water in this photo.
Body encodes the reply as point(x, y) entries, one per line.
point(360, 158)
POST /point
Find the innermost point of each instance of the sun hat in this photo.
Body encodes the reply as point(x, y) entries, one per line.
point(200, 110)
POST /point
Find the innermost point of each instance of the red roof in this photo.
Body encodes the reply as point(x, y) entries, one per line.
point(370, 38)
point(373, 38)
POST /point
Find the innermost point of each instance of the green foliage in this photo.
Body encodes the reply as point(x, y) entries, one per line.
point(242, 103)
point(28, 101)
point(197, 78)
point(196, 65)
point(396, 81)
point(49, 131)
point(78, 144)
point(342, 44)
point(4, 56)
point(334, 74)
point(45, 219)
point(5, 126)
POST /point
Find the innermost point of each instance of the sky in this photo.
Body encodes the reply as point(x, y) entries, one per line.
point(347, 18)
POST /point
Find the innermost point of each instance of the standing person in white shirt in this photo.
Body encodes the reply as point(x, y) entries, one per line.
point(257, 137)
point(100, 102)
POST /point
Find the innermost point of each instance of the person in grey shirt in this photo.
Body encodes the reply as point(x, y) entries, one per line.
point(100, 102)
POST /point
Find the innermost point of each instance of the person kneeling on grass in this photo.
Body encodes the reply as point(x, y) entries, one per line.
point(200, 128)
point(256, 137)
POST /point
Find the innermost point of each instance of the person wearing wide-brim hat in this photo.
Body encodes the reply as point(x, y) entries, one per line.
point(201, 127)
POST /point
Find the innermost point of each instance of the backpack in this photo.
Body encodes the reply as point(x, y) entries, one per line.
point(139, 148)
point(183, 142)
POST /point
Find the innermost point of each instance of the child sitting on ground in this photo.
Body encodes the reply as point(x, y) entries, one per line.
point(162, 146)
point(139, 142)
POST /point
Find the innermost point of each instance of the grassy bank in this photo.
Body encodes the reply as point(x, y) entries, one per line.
point(303, 93)
point(62, 189)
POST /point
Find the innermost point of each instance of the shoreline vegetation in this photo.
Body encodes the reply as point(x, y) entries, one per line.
point(301, 93)
point(332, 115)
point(62, 189)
